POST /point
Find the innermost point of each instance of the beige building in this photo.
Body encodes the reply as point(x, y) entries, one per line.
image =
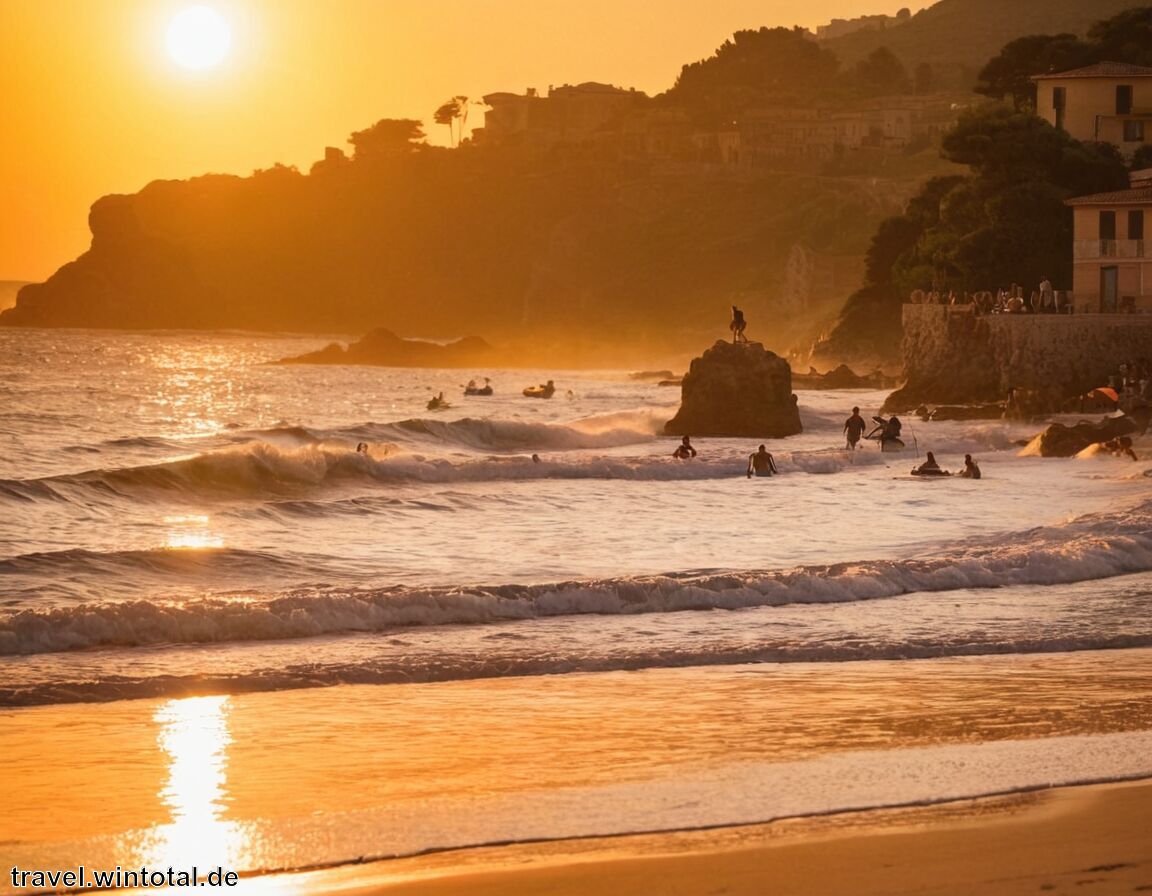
point(1109, 102)
point(568, 114)
point(1111, 261)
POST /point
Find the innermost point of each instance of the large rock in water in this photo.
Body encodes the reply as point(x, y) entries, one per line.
point(737, 390)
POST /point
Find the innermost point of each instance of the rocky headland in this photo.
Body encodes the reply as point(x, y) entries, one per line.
point(737, 390)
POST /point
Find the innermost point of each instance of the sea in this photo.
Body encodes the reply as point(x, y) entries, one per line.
point(187, 526)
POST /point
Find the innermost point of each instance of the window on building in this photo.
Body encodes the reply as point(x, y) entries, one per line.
point(1124, 99)
point(1133, 131)
point(1107, 225)
point(1136, 225)
point(1059, 98)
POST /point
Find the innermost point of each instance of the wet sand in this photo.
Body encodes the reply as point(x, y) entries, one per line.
point(1092, 839)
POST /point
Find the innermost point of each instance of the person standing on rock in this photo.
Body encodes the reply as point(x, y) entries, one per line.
point(737, 326)
point(854, 427)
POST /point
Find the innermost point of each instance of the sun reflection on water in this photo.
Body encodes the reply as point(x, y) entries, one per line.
point(194, 734)
point(190, 532)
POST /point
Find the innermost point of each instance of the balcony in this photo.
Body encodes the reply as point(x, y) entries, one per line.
point(1089, 249)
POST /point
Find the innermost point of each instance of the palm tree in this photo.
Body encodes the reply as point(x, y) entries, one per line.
point(455, 110)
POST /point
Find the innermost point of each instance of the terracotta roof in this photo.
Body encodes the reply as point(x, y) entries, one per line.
point(1138, 196)
point(1102, 70)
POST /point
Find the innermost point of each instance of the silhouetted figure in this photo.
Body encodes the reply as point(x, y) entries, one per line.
point(854, 427)
point(545, 391)
point(737, 326)
point(362, 448)
point(535, 458)
point(1047, 297)
point(929, 467)
point(684, 450)
point(761, 463)
point(1120, 446)
point(435, 404)
point(971, 470)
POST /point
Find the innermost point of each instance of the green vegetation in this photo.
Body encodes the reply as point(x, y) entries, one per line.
point(1006, 221)
point(1126, 37)
point(955, 38)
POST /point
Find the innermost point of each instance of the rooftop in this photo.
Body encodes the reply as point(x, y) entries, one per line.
point(1102, 70)
point(1137, 196)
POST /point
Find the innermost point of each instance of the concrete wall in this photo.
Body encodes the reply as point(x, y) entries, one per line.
point(952, 356)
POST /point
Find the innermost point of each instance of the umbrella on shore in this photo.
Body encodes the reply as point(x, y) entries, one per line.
point(1105, 392)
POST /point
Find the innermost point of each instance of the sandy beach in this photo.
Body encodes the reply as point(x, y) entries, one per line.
point(749, 779)
point(1091, 839)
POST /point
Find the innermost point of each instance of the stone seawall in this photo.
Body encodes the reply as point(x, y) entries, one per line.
point(951, 356)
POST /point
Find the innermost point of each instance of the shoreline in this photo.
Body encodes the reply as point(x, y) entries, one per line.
point(1043, 840)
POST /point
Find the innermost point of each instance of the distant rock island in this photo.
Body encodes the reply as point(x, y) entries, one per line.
point(737, 390)
point(843, 377)
point(385, 349)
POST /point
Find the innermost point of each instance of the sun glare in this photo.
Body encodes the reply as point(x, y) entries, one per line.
point(198, 37)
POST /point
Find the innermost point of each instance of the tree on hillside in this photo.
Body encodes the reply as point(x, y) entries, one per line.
point(1007, 221)
point(882, 73)
point(453, 112)
point(1003, 223)
point(1009, 73)
point(388, 137)
point(1126, 37)
point(924, 78)
point(755, 67)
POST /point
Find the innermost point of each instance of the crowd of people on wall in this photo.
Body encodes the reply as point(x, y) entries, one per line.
point(1133, 379)
point(1012, 300)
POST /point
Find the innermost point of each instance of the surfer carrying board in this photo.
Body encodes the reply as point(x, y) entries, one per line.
point(761, 464)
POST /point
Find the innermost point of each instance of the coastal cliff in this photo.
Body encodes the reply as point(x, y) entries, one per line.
point(583, 251)
point(952, 356)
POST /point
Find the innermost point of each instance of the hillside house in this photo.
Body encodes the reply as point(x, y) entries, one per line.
point(1110, 102)
point(1111, 262)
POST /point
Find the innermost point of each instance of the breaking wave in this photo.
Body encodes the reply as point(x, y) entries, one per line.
point(1091, 547)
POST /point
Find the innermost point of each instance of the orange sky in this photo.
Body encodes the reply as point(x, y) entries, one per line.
point(90, 103)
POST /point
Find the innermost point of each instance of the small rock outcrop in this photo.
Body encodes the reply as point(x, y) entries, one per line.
point(843, 377)
point(737, 390)
point(1059, 440)
point(385, 349)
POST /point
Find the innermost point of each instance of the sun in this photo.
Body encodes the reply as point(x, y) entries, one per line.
point(198, 37)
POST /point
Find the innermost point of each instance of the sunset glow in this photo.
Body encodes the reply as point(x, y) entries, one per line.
point(455, 447)
point(198, 38)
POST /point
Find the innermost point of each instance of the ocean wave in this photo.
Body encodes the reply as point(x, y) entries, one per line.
point(262, 470)
point(164, 561)
point(1091, 547)
point(406, 666)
